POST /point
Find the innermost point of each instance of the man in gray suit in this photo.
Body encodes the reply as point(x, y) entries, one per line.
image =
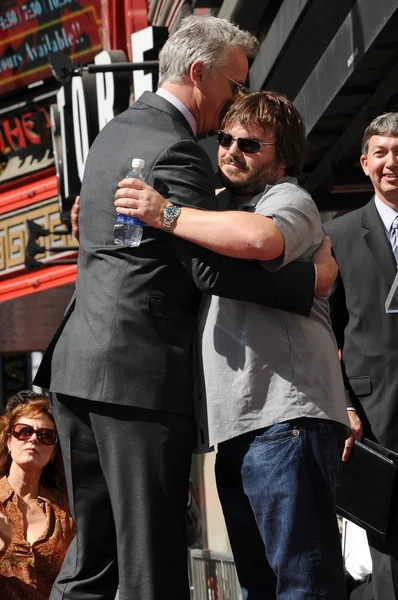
point(120, 365)
point(275, 394)
point(365, 244)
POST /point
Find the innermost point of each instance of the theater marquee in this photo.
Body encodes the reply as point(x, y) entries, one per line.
point(29, 29)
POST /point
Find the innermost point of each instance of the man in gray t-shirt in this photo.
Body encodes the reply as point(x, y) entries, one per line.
point(275, 397)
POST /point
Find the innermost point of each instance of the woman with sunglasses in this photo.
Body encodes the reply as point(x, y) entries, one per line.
point(33, 499)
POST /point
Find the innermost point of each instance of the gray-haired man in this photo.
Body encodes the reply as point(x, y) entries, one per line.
point(120, 365)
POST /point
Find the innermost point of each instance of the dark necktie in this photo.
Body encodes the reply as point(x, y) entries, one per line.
point(394, 238)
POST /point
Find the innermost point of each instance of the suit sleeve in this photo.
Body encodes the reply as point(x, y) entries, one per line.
point(182, 175)
point(339, 317)
point(338, 311)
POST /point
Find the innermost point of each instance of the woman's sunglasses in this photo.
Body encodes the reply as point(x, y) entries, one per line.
point(45, 436)
point(246, 145)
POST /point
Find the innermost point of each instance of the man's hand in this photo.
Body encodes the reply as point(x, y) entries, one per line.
point(5, 531)
point(135, 198)
point(74, 217)
point(356, 433)
point(326, 268)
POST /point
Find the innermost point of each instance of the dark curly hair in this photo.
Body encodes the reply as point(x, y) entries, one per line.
point(273, 111)
point(29, 404)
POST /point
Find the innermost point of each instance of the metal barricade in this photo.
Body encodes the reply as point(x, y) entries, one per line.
point(213, 576)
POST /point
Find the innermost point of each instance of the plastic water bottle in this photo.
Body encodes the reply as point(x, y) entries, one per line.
point(128, 230)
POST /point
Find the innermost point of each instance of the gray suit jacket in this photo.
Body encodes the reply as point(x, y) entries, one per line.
point(367, 335)
point(127, 335)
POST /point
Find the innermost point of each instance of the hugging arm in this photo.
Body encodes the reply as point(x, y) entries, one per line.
point(292, 289)
point(234, 233)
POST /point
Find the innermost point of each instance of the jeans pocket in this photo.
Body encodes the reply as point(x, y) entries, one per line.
point(279, 431)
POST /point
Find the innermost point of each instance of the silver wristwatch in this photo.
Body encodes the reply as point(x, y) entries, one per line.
point(170, 214)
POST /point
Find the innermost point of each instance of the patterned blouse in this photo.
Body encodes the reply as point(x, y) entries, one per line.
point(27, 571)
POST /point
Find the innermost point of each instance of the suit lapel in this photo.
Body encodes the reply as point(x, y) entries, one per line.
point(376, 239)
point(160, 103)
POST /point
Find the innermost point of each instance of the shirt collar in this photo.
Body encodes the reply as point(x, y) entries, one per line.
point(253, 201)
point(387, 214)
point(6, 491)
point(180, 106)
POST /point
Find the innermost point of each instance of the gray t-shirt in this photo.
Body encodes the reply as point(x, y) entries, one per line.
point(262, 366)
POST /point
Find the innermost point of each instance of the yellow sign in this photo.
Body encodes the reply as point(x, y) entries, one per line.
point(14, 234)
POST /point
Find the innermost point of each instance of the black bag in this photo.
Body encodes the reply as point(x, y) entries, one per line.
point(366, 490)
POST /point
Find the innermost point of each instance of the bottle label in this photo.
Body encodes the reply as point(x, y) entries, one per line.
point(126, 220)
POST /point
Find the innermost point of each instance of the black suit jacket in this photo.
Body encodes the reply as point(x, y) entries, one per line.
point(127, 335)
point(367, 335)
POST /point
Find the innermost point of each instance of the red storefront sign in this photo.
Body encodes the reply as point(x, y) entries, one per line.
point(121, 19)
point(25, 140)
point(29, 29)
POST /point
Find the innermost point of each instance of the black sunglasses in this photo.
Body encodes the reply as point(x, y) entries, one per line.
point(246, 145)
point(45, 436)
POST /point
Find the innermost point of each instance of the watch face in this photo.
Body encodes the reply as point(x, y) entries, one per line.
point(171, 212)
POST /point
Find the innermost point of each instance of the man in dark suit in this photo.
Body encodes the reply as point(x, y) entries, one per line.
point(365, 244)
point(120, 365)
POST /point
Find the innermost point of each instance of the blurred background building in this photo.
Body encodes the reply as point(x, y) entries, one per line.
point(338, 61)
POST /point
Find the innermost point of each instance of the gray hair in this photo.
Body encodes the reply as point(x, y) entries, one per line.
point(205, 38)
point(384, 125)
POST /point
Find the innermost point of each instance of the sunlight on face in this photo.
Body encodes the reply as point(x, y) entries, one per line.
point(244, 173)
point(381, 165)
point(31, 454)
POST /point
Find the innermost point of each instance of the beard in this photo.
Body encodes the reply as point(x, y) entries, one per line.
point(248, 182)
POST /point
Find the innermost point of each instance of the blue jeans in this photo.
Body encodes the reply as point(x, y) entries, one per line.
point(277, 490)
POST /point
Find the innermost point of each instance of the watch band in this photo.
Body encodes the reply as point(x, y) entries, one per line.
point(170, 214)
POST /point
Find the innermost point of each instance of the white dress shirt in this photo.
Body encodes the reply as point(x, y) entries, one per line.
point(181, 107)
